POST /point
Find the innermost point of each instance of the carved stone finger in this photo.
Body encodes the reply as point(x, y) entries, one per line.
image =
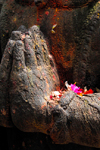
point(6, 59)
point(22, 28)
point(35, 33)
point(5, 69)
point(16, 35)
point(18, 57)
point(30, 58)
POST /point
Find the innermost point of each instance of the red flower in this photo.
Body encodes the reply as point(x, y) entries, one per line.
point(90, 91)
point(50, 96)
point(81, 90)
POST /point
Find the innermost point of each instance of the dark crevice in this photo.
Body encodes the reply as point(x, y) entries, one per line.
point(3, 139)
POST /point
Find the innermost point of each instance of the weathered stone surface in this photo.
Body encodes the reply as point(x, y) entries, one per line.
point(32, 80)
point(32, 76)
point(39, 71)
point(1, 3)
point(68, 30)
point(73, 39)
point(12, 16)
point(63, 3)
point(5, 68)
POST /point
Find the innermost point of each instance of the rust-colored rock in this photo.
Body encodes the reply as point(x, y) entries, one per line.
point(28, 73)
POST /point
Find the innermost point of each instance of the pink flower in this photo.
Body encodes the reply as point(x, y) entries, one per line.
point(75, 88)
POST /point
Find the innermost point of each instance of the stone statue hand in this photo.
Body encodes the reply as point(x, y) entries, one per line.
point(27, 77)
point(33, 77)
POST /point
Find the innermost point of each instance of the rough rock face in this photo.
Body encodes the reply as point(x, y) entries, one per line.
point(72, 34)
point(1, 3)
point(29, 70)
point(14, 15)
point(62, 3)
